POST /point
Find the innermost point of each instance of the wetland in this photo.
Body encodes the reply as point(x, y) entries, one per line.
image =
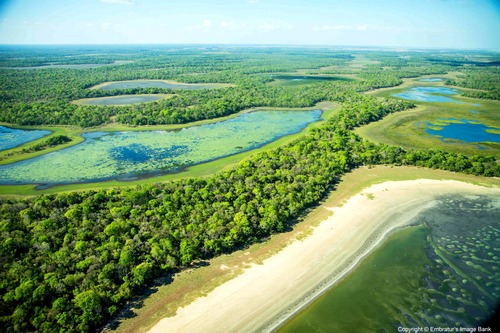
point(463, 130)
point(429, 94)
point(11, 137)
point(128, 155)
point(122, 99)
point(87, 227)
point(443, 120)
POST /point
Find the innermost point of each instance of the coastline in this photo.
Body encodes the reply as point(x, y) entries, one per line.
point(266, 295)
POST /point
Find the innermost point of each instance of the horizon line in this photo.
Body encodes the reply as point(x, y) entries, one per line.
point(254, 45)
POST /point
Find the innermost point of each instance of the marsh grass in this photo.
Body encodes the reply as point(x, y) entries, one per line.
point(408, 129)
point(200, 170)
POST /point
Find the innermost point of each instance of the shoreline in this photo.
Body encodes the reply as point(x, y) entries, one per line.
point(336, 278)
point(265, 296)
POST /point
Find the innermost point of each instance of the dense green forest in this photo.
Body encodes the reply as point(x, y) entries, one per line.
point(36, 97)
point(70, 261)
point(485, 80)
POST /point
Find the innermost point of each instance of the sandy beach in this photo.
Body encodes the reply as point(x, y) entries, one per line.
point(264, 296)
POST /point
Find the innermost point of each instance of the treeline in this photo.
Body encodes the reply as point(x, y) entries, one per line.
point(37, 97)
point(69, 261)
point(485, 80)
point(186, 106)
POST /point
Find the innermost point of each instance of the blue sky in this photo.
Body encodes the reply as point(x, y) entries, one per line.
point(401, 23)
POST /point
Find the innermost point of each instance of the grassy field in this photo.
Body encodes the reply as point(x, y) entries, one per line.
point(408, 128)
point(163, 300)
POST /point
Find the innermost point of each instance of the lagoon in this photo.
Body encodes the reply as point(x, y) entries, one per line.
point(432, 79)
point(429, 94)
point(128, 155)
point(463, 130)
point(121, 100)
point(10, 137)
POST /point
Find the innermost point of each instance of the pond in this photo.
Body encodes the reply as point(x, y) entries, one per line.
point(121, 100)
point(463, 130)
point(443, 274)
point(429, 94)
point(128, 155)
point(158, 84)
point(10, 137)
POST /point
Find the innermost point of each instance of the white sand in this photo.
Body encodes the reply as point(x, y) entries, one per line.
point(264, 296)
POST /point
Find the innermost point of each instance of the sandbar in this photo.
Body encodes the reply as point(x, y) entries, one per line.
point(265, 295)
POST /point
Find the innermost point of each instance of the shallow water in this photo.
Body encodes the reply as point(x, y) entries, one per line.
point(432, 79)
point(445, 273)
point(125, 155)
point(10, 137)
point(464, 131)
point(429, 94)
point(121, 100)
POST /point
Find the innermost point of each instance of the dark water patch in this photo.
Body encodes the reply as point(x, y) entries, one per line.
point(138, 153)
point(464, 131)
point(10, 137)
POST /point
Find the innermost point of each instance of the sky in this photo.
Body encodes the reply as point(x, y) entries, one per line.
point(462, 24)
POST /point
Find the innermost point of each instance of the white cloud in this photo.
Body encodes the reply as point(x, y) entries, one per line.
point(120, 2)
point(366, 28)
point(232, 25)
point(207, 23)
point(267, 26)
point(326, 27)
